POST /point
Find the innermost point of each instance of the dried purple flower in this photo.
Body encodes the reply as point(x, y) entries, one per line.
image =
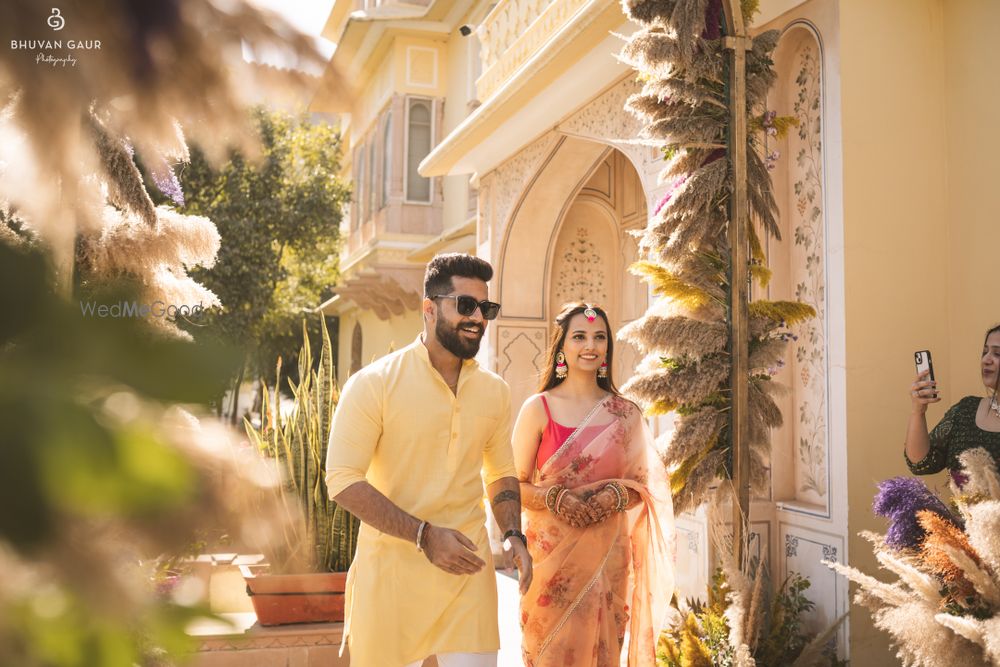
point(899, 499)
point(167, 183)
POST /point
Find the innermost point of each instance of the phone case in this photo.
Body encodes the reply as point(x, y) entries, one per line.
point(922, 359)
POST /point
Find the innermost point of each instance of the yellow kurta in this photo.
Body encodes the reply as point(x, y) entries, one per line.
point(399, 427)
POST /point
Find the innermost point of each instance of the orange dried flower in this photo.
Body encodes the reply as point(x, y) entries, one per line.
point(942, 533)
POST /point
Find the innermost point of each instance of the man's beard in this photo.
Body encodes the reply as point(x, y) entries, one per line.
point(452, 341)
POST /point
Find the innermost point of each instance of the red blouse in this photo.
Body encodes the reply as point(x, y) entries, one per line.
point(553, 437)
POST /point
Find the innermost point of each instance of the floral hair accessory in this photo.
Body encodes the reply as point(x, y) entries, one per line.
point(590, 314)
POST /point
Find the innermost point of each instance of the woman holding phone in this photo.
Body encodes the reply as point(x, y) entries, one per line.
point(972, 422)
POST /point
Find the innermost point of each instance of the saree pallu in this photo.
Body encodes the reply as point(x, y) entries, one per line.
point(575, 613)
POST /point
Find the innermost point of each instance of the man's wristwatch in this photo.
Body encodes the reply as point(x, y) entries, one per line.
point(515, 533)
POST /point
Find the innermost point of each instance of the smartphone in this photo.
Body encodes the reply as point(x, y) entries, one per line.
point(922, 359)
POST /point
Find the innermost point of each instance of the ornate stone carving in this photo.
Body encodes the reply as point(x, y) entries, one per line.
point(791, 546)
point(520, 356)
point(581, 275)
point(521, 348)
point(808, 272)
point(605, 120)
point(507, 182)
point(692, 541)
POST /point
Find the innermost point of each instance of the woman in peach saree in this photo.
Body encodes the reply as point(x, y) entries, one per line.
point(597, 509)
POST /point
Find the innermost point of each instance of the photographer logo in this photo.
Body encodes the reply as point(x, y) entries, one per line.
point(55, 52)
point(56, 21)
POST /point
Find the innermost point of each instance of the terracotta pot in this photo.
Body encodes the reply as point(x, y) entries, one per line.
point(282, 599)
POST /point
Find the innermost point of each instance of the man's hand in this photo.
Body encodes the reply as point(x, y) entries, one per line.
point(451, 551)
point(523, 562)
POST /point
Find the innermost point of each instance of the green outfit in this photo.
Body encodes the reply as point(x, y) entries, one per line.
point(956, 433)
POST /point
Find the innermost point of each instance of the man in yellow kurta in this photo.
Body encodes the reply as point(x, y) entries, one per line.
point(414, 436)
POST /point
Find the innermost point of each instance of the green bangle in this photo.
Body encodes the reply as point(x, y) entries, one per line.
point(551, 494)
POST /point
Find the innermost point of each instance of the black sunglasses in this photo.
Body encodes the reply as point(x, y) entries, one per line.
point(467, 305)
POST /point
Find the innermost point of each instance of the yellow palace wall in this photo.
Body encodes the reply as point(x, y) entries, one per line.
point(920, 104)
point(378, 336)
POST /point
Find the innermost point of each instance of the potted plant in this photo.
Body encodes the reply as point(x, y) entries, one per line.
point(307, 570)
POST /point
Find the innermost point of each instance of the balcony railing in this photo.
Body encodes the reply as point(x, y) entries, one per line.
point(513, 32)
point(372, 6)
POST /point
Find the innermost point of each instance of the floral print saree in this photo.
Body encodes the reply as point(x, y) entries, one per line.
point(580, 601)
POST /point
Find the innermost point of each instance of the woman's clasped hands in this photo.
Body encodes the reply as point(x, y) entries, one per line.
point(582, 509)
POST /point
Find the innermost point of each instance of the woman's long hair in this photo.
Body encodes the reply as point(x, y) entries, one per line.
point(568, 312)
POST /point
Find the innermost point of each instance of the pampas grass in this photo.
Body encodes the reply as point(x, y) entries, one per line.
point(676, 335)
point(767, 354)
point(156, 257)
point(692, 433)
point(75, 133)
point(178, 63)
point(944, 608)
point(124, 182)
point(982, 524)
point(668, 284)
point(922, 641)
point(688, 383)
point(648, 11)
point(683, 105)
point(981, 473)
point(693, 488)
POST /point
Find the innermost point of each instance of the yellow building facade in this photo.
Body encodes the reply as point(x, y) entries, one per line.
point(403, 67)
point(884, 190)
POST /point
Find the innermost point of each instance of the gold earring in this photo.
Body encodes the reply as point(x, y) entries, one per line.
point(561, 368)
point(602, 372)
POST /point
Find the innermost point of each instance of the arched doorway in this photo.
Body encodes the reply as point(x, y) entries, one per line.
point(568, 240)
point(593, 250)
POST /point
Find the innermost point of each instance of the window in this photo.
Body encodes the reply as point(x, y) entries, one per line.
point(371, 205)
point(356, 342)
point(359, 189)
point(418, 145)
point(386, 159)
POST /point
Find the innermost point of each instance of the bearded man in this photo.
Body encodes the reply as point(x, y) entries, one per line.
point(415, 436)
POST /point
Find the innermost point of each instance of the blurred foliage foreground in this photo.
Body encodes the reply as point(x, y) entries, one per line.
point(102, 474)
